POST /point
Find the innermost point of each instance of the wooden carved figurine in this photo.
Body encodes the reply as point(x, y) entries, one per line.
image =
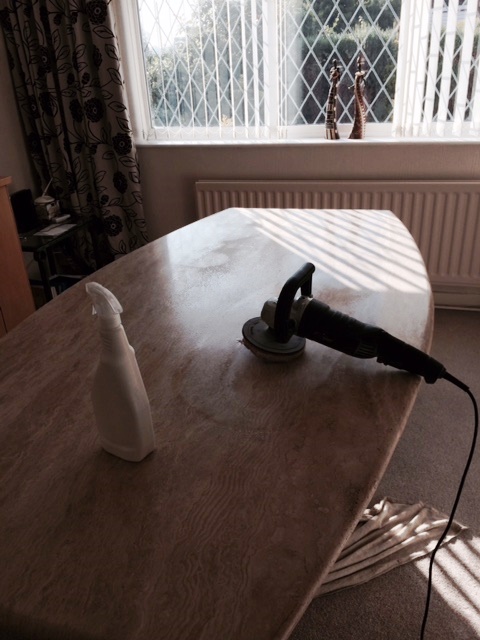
point(358, 131)
point(331, 131)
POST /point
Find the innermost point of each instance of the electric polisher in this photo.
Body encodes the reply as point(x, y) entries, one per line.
point(286, 322)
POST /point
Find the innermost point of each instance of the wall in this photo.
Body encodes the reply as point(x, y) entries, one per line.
point(169, 171)
point(14, 160)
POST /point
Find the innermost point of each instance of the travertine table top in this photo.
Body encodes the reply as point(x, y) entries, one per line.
point(261, 470)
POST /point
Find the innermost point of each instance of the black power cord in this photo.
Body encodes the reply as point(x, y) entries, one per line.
point(464, 387)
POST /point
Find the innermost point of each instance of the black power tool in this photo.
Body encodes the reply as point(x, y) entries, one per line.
point(280, 333)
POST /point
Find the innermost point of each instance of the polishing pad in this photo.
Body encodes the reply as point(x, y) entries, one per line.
point(260, 339)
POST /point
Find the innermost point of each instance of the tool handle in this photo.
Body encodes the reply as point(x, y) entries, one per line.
point(284, 327)
point(339, 331)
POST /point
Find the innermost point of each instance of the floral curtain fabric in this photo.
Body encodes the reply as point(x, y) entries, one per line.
point(65, 67)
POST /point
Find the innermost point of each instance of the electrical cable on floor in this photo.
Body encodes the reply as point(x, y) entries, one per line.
point(464, 387)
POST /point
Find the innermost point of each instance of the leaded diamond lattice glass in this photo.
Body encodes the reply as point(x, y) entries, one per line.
point(255, 68)
point(260, 64)
point(204, 62)
point(314, 33)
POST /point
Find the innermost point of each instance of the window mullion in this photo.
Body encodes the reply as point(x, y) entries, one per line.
point(271, 68)
point(244, 65)
point(464, 67)
point(256, 101)
point(447, 65)
point(475, 125)
point(217, 73)
point(422, 18)
point(400, 120)
point(161, 71)
point(230, 68)
point(190, 80)
point(201, 54)
point(433, 59)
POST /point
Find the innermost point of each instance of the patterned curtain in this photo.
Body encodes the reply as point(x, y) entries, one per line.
point(65, 66)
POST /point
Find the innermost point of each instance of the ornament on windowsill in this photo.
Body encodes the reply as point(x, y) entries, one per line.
point(358, 131)
point(331, 131)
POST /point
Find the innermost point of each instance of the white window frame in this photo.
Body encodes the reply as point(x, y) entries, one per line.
point(128, 30)
point(130, 44)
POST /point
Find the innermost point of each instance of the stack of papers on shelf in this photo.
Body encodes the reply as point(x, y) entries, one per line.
point(54, 230)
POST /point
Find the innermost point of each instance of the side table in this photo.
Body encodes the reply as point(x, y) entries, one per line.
point(42, 247)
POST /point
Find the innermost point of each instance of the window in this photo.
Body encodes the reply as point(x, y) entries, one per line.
point(260, 68)
point(438, 80)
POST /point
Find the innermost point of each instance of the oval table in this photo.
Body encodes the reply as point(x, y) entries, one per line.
point(261, 470)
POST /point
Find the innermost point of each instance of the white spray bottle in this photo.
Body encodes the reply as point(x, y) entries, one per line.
point(120, 402)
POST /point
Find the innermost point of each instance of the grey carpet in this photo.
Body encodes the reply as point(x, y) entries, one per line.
point(426, 466)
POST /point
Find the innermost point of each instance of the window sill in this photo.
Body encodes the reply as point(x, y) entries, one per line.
point(312, 142)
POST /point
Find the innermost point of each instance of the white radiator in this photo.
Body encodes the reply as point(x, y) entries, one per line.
point(442, 216)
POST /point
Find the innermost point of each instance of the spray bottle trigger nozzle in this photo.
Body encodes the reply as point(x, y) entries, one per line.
point(105, 304)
